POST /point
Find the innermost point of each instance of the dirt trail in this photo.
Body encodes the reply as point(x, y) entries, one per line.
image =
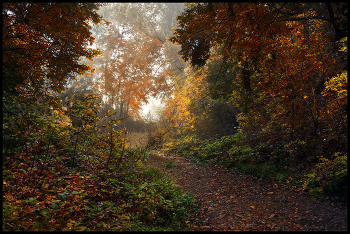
point(233, 201)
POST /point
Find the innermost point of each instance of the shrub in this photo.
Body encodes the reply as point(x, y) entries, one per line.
point(329, 174)
point(156, 139)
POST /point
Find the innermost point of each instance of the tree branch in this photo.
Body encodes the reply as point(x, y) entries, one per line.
point(332, 21)
point(307, 18)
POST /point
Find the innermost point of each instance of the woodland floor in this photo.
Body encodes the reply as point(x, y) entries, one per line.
point(233, 201)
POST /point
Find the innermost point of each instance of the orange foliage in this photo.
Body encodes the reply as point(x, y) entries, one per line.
point(285, 57)
point(43, 43)
point(127, 72)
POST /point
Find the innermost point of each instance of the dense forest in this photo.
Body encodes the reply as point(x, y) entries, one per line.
point(261, 87)
point(265, 91)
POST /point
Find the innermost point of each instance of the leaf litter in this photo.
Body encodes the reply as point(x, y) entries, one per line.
point(234, 201)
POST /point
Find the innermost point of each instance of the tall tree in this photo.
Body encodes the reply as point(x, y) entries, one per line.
point(283, 55)
point(43, 44)
point(134, 64)
point(126, 71)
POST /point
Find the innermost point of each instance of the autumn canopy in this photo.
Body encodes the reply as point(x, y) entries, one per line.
point(259, 87)
point(284, 63)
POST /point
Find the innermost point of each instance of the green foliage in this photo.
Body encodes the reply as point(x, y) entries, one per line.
point(73, 171)
point(329, 174)
point(267, 77)
point(106, 187)
point(62, 169)
point(285, 163)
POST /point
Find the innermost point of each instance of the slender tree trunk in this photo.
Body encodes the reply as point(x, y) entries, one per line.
point(121, 110)
point(331, 17)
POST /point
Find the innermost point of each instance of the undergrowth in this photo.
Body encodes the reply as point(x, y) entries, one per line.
point(327, 175)
point(61, 174)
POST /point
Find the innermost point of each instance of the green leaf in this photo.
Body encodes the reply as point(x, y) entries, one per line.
point(82, 228)
point(55, 205)
point(37, 224)
point(10, 177)
point(74, 192)
point(22, 170)
point(62, 196)
point(46, 213)
point(31, 200)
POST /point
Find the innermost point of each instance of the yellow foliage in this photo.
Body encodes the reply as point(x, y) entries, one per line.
point(63, 119)
point(193, 89)
point(338, 84)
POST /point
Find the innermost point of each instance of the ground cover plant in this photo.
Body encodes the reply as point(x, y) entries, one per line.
point(61, 175)
point(261, 87)
point(68, 161)
point(265, 91)
point(327, 175)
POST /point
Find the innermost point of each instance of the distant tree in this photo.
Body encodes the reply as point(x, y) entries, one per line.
point(135, 63)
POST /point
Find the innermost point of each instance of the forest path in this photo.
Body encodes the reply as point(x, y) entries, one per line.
point(233, 201)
